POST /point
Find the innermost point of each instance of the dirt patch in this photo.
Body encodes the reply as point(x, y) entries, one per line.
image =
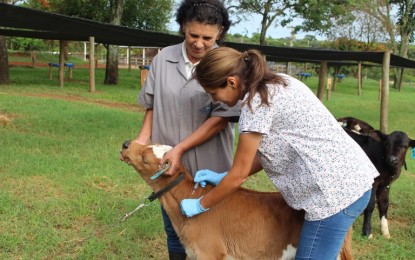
point(130, 107)
point(5, 119)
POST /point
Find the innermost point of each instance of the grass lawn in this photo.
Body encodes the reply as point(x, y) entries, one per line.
point(63, 187)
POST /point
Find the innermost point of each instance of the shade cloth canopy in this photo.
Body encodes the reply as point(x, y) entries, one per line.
point(31, 23)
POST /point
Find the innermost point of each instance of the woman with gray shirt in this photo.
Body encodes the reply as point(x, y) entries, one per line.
point(179, 112)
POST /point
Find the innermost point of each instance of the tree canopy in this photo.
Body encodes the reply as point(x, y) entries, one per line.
point(140, 14)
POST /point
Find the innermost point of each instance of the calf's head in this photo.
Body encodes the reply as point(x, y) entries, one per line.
point(396, 145)
point(144, 158)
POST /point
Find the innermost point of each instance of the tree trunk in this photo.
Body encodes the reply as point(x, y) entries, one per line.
point(403, 52)
point(111, 70)
point(398, 78)
point(65, 50)
point(263, 28)
point(322, 80)
point(4, 61)
point(336, 71)
point(384, 102)
point(4, 58)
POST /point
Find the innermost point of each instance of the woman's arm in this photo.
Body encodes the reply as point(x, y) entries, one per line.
point(204, 132)
point(256, 165)
point(245, 163)
point(144, 136)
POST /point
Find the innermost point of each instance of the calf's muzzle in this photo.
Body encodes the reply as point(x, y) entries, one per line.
point(126, 144)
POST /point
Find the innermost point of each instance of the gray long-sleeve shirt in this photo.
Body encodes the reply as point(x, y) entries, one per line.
point(180, 106)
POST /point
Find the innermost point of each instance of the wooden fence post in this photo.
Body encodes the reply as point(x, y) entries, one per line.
point(50, 71)
point(380, 90)
point(384, 101)
point(359, 78)
point(322, 79)
point(33, 56)
point(91, 64)
point(61, 63)
point(329, 82)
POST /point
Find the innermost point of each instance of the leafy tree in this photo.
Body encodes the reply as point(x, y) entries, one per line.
point(406, 25)
point(308, 41)
point(316, 15)
point(26, 44)
point(97, 10)
point(321, 15)
point(347, 44)
point(399, 27)
point(140, 14)
point(365, 29)
point(310, 38)
point(147, 14)
point(269, 10)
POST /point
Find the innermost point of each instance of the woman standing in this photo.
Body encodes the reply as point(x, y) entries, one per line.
point(285, 130)
point(179, 112)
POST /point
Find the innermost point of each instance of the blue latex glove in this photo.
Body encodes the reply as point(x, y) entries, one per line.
point(191, 207)
point(207, 176)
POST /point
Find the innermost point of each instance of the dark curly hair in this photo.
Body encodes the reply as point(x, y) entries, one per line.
point(211, 12)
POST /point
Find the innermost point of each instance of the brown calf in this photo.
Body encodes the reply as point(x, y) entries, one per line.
point(246, 225)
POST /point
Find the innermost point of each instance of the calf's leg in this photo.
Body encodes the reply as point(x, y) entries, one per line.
point(367, 215)
point(383, 205)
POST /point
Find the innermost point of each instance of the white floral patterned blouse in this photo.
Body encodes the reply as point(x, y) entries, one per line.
point(308, 156)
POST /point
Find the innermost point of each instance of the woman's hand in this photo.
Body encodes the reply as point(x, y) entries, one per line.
point(191, 207)
point(207, 176)
point(175, 157)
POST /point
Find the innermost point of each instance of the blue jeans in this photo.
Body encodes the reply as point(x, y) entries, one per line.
point(173, 242)
point(323, 239)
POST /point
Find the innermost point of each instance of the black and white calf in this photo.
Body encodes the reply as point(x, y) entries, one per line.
point(387, 152)
point(355, 125)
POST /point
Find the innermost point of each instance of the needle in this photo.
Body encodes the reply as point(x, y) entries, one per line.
point(195, 187)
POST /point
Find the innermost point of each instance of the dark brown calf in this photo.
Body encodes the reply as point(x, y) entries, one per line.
point(246, 225)
point(355, 124)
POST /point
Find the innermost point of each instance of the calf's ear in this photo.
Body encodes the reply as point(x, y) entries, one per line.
point(147, 155)
point(412, 143)
point(378, 135)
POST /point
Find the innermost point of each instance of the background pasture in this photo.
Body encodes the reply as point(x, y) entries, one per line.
point(62, 186)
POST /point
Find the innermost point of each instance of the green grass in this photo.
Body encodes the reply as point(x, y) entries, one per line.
point(43, 57)
point(62, 186)
point(37, 80)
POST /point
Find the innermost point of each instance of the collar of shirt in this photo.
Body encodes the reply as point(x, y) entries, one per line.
point(188, 64)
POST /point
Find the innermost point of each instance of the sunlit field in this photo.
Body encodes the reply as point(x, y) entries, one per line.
point(63, 187)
